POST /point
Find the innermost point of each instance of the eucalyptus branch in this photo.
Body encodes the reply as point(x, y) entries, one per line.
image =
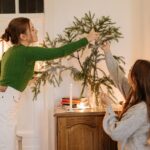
point(90, 73)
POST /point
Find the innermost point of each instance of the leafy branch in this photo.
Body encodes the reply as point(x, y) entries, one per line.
point(89, 58)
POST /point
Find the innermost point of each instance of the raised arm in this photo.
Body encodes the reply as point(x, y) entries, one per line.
point(115, 72)
point(39, 53)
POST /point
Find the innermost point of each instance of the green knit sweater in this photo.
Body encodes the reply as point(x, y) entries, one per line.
point(17, 66)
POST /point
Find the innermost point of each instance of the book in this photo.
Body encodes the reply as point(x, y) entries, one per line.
point(66, 100)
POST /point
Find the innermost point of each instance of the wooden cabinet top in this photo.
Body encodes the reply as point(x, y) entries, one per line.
point(78, 112)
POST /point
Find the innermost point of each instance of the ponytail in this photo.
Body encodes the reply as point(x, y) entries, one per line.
point(6, 36)
point(16, 27)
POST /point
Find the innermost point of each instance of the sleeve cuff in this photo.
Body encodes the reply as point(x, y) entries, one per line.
point(110, 111)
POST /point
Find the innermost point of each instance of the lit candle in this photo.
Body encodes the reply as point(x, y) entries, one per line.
point(81, 106)
point(71, 97)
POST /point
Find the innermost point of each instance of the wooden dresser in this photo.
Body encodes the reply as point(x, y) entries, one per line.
point(81, 130)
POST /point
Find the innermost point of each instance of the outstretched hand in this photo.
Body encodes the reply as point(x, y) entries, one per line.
point(92, 36)
point(105, 46)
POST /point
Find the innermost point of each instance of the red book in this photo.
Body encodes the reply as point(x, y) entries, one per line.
point(67, 101)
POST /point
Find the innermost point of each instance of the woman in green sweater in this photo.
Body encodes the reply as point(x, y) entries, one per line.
point(17, 69)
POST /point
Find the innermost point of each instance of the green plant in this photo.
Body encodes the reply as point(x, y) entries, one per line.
point(89, 72)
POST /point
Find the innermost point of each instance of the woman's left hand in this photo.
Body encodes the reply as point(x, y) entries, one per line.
point(92, 36)
point(105, 46)
point(105, 99)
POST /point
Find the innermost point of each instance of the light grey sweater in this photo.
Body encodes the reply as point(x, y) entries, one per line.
point(131, 131)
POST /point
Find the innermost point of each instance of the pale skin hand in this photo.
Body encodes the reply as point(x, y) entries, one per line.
point(92, 36)
point(105, 99)
point(106, 46)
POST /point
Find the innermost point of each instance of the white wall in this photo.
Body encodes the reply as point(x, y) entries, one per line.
point(145, 29)
point(133, 18)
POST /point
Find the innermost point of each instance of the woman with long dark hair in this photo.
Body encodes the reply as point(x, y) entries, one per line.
point(132, 127)
point(17, 69)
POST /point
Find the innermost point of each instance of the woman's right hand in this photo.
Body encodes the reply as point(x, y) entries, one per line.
point(105, 46)
point(92, 36)
point(105, 99)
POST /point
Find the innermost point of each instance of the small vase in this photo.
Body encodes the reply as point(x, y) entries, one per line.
point(92, 99)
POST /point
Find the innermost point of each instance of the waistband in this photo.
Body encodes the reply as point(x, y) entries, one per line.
point(10, 92)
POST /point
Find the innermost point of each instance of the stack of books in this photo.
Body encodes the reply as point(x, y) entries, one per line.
point(65, 101)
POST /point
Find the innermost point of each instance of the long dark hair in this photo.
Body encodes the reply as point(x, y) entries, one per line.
point(16, 27)
point(140, 76)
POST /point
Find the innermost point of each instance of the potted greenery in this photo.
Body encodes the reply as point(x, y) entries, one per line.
point(89, 72)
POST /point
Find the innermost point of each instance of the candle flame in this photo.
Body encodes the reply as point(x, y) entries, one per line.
point(81, 106)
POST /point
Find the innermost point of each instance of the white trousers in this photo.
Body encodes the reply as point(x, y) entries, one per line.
point(9, 103)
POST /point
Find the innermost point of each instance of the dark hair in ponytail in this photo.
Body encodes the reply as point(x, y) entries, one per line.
point(16, 27)
point(6, 35)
